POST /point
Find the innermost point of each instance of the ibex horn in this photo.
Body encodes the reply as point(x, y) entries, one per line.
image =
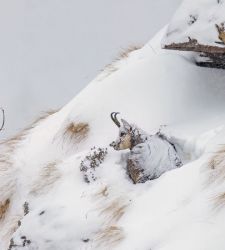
point(114, 118)
point(3, 118)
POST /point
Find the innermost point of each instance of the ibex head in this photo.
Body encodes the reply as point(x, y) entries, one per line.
point(125, 134)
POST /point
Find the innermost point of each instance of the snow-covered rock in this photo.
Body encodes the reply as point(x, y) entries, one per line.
point(197, 19)
point(45, 202)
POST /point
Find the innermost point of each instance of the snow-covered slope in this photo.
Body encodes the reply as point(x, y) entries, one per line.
point(45, 202)
point(197, 19)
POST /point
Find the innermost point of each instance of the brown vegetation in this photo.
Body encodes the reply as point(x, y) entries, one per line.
point(8, 148)
point(114, 211)
point(103, 192)
point(216, 176)
point(46, 179)
point(217, 167)
point(109, 236)
point(4, 208)
point(124, 54)
point(76, 132)
point(134, 171)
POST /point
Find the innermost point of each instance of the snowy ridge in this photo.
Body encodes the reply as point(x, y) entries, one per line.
point(197, 20)
point(46, 203)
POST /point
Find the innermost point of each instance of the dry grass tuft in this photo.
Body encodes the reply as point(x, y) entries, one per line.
point(109, 236)
point(216, 176)
point(103, 192)
point(8, 148)
point(125, 53)
point(8, 177)
point(76, 131)
point(21, 135)
point(217, 167)
point(111, 211)
point(48, 176)
point(112, 67)
point(4, 208)
point(114, 211)
point(219, 201)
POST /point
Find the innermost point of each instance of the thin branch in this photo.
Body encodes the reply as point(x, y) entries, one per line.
point(195, 47)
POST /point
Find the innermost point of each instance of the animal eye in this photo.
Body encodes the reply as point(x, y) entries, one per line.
point(122, 134)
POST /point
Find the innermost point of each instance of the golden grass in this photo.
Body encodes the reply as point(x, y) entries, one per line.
point(109, 237)
point(21, 135)
point(217, 167)
point(114, 211)
point(4, 208)
point(219, 201)
point(76, 132)
point(9, 147)
point(46, 179)
point(124, 54)
point(216, 176)
point(103, 192)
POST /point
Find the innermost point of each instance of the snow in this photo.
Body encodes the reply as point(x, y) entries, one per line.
point(52, 49)
point(196, 19)
point(151, 87)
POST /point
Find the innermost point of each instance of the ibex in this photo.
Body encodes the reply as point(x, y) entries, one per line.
point(150, 155)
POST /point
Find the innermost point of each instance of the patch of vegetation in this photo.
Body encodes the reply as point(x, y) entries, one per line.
point(93, 160)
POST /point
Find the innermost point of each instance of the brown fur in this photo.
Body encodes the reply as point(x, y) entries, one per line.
point(76, 131)
point(134, 171)
point(125, 142)
point(48, 176)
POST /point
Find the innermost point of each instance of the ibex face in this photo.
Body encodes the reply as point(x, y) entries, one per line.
point(125, 134)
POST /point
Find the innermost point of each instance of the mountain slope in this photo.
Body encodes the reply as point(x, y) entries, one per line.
point(47, 203)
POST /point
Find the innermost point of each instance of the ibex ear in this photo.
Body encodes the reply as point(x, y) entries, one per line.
point(126, 124)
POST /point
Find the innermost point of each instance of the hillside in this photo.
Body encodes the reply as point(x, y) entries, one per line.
point(45, 202)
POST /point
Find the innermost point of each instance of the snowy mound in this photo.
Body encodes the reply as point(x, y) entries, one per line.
point(197, 20)
point(46, 202)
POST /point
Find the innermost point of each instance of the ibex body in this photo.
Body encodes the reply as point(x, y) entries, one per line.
point(150, 155)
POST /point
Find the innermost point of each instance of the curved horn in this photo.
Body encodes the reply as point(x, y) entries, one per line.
point(114, 118)
point(3, 118)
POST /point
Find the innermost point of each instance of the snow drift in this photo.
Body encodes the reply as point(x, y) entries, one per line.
point(45, 202)
point(197, 19)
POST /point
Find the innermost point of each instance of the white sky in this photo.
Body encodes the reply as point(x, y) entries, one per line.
point(50, 49)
